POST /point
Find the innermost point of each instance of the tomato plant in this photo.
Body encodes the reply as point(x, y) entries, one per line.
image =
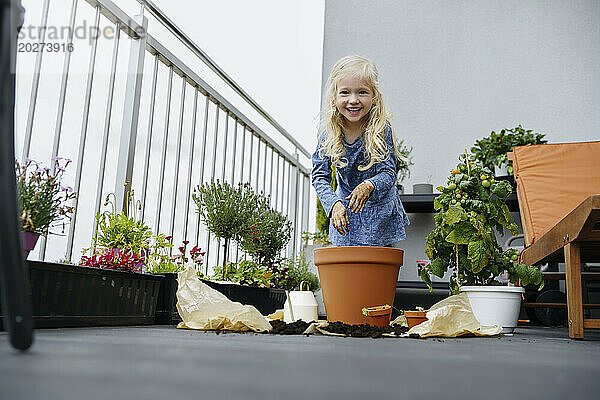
point(464, 239)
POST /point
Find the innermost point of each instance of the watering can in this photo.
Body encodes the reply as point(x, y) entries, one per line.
point(300, 304)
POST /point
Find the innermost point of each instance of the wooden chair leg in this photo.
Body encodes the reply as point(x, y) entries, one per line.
point(573, 286)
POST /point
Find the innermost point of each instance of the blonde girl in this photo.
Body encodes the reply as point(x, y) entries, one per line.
point(356, 137)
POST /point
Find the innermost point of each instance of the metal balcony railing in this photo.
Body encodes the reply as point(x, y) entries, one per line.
point(168, 128)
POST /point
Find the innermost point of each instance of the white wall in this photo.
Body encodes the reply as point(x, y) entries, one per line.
point(452, 71)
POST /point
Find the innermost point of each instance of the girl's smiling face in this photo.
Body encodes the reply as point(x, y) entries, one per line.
point(353, 99)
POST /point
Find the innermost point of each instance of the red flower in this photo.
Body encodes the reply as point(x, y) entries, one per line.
point(499, 140)
point(186, 241)
point(168, 237)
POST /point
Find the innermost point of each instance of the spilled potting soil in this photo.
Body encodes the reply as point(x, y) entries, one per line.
point(363, 330)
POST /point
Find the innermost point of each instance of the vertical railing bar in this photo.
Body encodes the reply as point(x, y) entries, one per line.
point(243, 153)
point(107, 116)
point(177, 159)
point(296, 200)
point(289, 188)
point(264, 185)
point(277, 179)
point(164, 148)
point(215, 142)
point(225, 146)
point(190, 166)
point(212, 172)
point(61, 107)
point(201, 179)
point(235, 131)
point(305, 202)
point(271, 176)
point(258, 161)
point(251, 159)
point(84, 126)
point(150, 134)
point(35, 83)
point(63, 84)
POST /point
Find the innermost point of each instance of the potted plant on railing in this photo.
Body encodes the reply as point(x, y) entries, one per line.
point(470, 208)
point(491, 151)
point(42, 199)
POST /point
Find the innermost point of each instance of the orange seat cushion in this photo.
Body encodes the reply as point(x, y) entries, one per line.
point(553, 179)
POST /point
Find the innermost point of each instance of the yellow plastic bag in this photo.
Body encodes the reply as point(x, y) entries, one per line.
point(202, 307)
point(453, 317)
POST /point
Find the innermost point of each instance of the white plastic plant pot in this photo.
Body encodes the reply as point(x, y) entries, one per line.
point(501, 170)
point(495, 305)
point(300, 304)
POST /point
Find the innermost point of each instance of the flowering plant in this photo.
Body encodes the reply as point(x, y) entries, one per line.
point(161, 260)
point(268, 234)
point(119, 259)
point(42, 197)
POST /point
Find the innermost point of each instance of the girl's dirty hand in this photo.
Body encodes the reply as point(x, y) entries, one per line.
point(359, 196)
point(339, 217)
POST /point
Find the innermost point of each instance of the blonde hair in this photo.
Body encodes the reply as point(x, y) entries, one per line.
point(332, 122)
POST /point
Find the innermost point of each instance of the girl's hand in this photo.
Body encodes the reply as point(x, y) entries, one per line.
point(339, 217)
point(359, 196)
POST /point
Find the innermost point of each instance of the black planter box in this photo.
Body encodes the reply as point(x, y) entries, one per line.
point(73, 296)
point(166, 311)
point(266, 300)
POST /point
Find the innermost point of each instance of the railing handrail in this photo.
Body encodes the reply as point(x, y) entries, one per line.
point(189, 43)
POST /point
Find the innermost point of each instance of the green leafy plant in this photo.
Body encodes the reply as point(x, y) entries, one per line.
point(403, 161)
point(42, 197)
point(298, 272)
point(245, 272)
point(122, 230)
point(469, 208)
point(160, 259)
point(318, 238)
point(227, 211)
point(267, 235)
point(491, 150)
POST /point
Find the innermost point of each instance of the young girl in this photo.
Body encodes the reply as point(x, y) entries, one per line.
point(357, 138)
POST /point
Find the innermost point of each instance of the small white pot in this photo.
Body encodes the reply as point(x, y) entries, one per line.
point(495, 305)
point(501, 170)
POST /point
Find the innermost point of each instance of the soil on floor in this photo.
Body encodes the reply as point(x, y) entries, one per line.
point(363, 330)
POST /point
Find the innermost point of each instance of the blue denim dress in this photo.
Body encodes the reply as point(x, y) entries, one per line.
point(382, 220)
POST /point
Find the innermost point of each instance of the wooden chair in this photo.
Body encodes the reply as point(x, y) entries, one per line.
point(558, 187)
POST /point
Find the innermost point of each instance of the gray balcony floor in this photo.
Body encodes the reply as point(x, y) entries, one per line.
point(161, 362)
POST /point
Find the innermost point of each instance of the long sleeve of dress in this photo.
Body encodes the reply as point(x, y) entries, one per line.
point(321, 180)
point(385, 171)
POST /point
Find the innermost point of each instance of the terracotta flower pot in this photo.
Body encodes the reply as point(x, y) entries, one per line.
point(357, 277)
point(414, 318)
point(28, 242)
point(378, 316)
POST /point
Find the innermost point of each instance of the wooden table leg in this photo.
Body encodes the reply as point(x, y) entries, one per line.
point(573, 286)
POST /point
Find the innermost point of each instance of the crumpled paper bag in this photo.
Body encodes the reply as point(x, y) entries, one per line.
point(452, 317)
point(202, 307)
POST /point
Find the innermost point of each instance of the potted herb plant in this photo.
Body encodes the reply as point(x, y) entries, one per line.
point(403, 163)
point(470, 207)
point(491, 151)
point(227, 211)
point(42, 199)
point(121, 240)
